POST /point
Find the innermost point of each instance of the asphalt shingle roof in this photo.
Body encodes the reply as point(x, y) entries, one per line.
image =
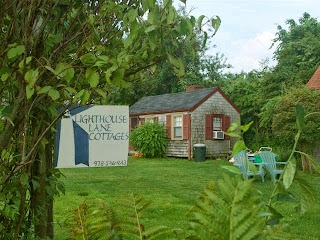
point(314, 82)
point(170, 102)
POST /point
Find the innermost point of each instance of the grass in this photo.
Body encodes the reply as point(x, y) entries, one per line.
point(172, 186)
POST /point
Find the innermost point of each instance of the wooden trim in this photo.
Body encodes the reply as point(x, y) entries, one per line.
point(208, 127)
point(226, 125)
point(186, 126)
point(142, 121)
point(168, 126)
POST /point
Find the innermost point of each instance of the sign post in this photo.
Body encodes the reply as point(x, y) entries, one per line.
point(93, 136)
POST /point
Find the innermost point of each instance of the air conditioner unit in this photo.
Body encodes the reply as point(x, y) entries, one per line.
point(218, 135)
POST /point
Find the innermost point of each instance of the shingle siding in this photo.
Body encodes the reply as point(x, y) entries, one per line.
point(216, 104)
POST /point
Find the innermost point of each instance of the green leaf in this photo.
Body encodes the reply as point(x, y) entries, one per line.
point(27, 60)
point(171, 16)
point(91, 19)
point(199, 22)
point(7, 110)
point(69, 74)
point(118, 76)
point(85, 97)
point(300, 117)
point(232, 134)
point(44, 89)
point(16, 51)
point(51, 69)
point(246, 127)
point(132, 14)
point(29, 91)
point(232, 169)
point(238, 146)
point(31, 77)
point(274, 217)
point(150, 28)
point(78, 95)
point(93, 77)
point(70, 90)
point(65, 71)
point(24, 179)
point(88, 59)
point(215, 22)
point(289, 172)
point(307, 194)
point(54, 94)
point(174, 61)
point(4, 77)
point(101, 93)
point(205, 38)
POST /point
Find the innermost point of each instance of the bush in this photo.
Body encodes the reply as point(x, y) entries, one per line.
point(150, 139)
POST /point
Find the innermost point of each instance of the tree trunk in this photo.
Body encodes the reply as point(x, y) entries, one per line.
point(42, 196)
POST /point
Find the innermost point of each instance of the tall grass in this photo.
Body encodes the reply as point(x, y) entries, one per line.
point(172, 186)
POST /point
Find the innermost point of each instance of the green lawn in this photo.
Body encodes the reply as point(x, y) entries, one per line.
point(172, 186)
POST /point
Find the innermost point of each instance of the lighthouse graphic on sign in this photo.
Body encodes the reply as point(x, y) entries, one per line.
point(92, 136)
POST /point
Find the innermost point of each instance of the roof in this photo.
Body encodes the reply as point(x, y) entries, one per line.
point(314, 82)
point(175, 102)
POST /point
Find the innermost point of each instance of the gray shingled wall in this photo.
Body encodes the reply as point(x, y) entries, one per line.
point(216, 104)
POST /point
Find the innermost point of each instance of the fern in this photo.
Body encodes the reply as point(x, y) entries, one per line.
point(94, 221)
point(233, 212)
point(131, 226)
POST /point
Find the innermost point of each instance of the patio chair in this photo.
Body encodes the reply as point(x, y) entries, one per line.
point(242, 162)
point(270, 163)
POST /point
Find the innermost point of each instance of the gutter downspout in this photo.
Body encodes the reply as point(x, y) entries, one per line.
point(189, 138)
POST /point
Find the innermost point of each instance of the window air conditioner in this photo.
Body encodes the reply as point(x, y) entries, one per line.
point(218, 135)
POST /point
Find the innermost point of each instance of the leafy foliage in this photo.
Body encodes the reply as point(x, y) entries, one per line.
point(56, 53)
point(233, 210)
point(98, 221)
point(95, 220)
point(150, 139)
point(284, 119)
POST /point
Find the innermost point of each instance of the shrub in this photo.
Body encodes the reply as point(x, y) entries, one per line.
point(150, 139)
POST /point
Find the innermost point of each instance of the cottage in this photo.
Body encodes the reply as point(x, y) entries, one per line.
point(199, 115)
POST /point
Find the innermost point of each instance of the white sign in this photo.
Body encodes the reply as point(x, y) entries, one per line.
point(93, 136)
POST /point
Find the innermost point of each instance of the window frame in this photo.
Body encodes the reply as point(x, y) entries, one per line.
point(174, 127)
point(209, 125)
point(214, 128)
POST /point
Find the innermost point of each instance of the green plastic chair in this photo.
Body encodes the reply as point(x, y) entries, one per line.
point(242, 162)
point(270, 163)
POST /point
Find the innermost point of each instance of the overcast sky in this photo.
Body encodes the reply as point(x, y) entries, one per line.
point(248, 26)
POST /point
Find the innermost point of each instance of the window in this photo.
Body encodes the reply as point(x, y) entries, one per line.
point(134, 122)
point(149, 120)
point(217, 124)
point(177, 126)
point(214, 123)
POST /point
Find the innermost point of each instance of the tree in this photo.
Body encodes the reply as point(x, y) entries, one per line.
point(297, 54)
point(284, 120)
point(56, 53)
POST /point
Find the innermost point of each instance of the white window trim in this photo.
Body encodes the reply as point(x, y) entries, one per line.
point(173, 116)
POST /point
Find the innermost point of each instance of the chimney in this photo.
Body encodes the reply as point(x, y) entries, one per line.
point(193, 87)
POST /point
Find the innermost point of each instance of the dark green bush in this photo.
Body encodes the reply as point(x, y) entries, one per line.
point(150, 139)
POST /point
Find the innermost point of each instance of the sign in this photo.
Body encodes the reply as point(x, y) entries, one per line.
point(93, 136)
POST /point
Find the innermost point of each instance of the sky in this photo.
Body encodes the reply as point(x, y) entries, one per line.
point(249, 26)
